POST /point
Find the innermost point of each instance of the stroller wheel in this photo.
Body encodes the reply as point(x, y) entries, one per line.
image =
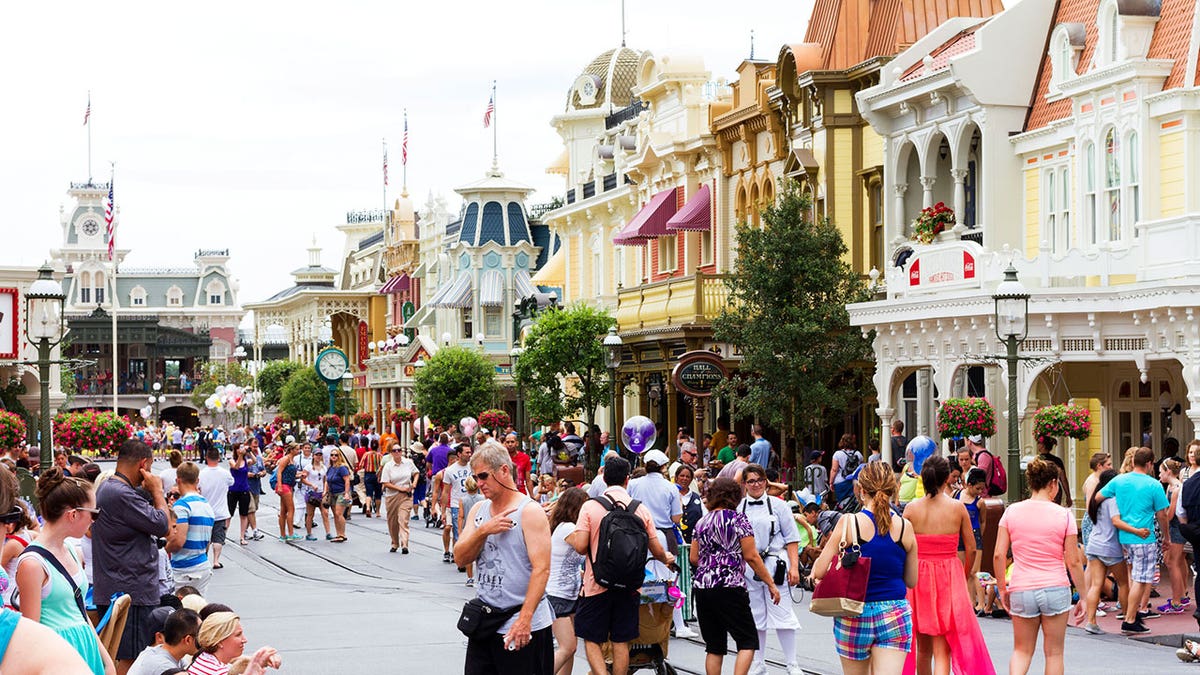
point(665, 668)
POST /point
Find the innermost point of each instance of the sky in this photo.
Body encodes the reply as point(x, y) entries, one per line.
point(256, 126)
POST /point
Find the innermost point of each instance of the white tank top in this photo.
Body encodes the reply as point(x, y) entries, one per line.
point(503, 569)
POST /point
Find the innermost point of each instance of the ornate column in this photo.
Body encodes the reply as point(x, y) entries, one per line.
point(927, 183)
point(925, 402)
point(960, 195)
point(901, 227)
point(886, 415)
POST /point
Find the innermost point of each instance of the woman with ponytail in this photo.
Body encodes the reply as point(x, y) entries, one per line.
point(944, 622)
point(51, 582)
point(881, 637)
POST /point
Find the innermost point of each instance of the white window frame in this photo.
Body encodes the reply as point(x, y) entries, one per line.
point(1114, 227)
point(467, 323)
point(667, 252)
point(1056, 207)
point(1131, 177)
point(137, 297)
point(493, 322)
point(85, 287)
point(214, 292)
point(174, 297)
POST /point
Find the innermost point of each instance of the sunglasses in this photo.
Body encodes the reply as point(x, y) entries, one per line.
point(482, 476)
point(94, 512)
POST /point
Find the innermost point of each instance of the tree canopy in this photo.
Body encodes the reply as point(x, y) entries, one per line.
point(564, 346)
point(272, 378)
point(456, 382)
point(787, 315)
point(305, 396)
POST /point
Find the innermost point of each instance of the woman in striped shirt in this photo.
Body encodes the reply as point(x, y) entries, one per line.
point(222, 642)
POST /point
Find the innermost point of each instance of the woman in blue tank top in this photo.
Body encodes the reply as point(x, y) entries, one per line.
point(881, 637)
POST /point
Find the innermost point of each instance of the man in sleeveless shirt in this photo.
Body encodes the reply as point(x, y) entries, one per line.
point(507, 537)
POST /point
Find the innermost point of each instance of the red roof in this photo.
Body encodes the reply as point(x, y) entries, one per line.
point(961, 43)
point(1171, 40)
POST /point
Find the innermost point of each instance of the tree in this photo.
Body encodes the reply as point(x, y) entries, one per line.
point(802, 362)
point(564, 346)
point(455, 383)
point(305, 396)
point(217, 374)
point(272, 378)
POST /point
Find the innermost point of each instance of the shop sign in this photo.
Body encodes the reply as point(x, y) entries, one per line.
point(942, 267)
point(698, 373)
point(363, 340)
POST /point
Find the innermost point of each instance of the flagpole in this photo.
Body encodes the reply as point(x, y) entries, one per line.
point(87, 122)
point(385, 168)
point(495, 155)
point(112, 298)
point(404, 158)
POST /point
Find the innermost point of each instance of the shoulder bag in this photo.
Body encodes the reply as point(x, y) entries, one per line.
point(843, 589)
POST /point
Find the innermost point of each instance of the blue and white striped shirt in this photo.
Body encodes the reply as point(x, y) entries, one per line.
point(194, 511)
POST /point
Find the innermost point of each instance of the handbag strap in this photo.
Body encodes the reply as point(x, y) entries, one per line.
point(49, 557)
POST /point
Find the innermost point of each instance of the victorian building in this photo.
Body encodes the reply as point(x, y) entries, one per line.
point(1099, 109)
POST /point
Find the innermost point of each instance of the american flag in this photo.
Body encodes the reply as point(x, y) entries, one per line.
point(385, 163)
point(487, 114)
point(404, 143)
point(87, 113)
point(109, 217)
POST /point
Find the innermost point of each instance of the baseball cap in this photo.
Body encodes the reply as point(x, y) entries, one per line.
point(657, 456)
point(815, 454)
point(291, 440)
point(976, 439)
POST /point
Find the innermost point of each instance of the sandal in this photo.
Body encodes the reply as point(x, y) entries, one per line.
point(219, 566)
point(338, 540)
point(243, 542)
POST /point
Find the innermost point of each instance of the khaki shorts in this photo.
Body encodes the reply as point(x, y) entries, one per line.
point(253, 502)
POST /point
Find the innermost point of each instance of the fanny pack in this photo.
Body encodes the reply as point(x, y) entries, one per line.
point(479, 619)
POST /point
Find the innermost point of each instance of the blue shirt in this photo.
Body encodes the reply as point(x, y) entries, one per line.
point(1139, 497)
point(336, 476)
point(194, 511)
point(760, 452)
point(660, 496)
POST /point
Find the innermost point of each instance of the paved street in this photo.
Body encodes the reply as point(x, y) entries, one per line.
point(325, 605)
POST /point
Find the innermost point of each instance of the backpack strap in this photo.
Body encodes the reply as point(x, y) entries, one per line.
point(46, 555)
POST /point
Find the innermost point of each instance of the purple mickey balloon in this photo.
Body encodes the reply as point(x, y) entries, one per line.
point(639, 433)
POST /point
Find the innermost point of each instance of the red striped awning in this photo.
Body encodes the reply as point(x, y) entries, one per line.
point(397, 284)
point(650, 222)
point(696, 214)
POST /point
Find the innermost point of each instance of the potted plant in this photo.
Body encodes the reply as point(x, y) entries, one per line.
point(330, 423)
point(933, 221)
point(963, 417)
point(364, 419)
point(12, 430)
point(282, 419)
point(494, 419)
point(1054, 421)
point(91, 432)
point(403, 415)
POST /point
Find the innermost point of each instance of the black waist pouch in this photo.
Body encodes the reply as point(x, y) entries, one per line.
point(479, 619)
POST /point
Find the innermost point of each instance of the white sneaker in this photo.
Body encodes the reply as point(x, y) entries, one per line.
point(685, 632)
point(758, 668)
point(795, 669)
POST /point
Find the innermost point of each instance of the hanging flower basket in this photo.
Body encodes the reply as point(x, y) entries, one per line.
point(364, 419)
point(963, 417)
point(496, 420)
point(1056, 421)
point(89, 430)
point(933, 221)
point(282, 419)
point(12, 430)
point(403, 415)
point(330, 422)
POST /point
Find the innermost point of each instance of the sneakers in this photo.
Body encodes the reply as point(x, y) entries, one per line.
point(1188, 652)
point(685, 632)
point(1185, 601)
point(310, 538)
point(470, 582)
point(258, 535)
point(1101, 613)
point(404, 551)
point(1148, 614)
point(1094, 629)
point(1170, 608)
point(447, 558)
point(1133, 628)
point(795, 669)
point(328, 536)
point(758, 668)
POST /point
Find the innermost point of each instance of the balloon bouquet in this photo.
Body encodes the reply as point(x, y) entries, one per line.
point(229, 399)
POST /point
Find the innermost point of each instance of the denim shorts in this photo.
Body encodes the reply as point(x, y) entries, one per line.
point(1036, 602)
point(1105, 560)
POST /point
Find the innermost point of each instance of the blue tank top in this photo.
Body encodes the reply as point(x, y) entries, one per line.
point(972, 510)
point(887, 566)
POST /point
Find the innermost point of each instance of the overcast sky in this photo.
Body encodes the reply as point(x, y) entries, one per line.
point(257, 125)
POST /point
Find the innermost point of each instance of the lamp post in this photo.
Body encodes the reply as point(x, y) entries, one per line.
point(613, 345)
point(347, 386)
point(156, 400)
point(1012, 327)
point(515, 354)
point(44, 327)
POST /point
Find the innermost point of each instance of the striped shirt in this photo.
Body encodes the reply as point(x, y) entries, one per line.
point(207, 664)
point(194, 511)
point(371, 462)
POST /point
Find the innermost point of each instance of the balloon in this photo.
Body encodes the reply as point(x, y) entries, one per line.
point(920, 448)
point(147, 411)
point(219, 391)
point(468, 424)
point(639, 433)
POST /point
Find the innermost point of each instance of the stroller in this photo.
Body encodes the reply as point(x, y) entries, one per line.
point(649, 650)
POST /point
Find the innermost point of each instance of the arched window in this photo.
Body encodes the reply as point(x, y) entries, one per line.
point(1089, 197)
point(85, 287)
point(1112, 183)
point(215, 291)
point(98, 287)
point(597, 268)
point(137, 297)
point(755, 205)
point(1113, 30)
point(174, 297)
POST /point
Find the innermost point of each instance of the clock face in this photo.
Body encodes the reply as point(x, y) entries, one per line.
point(90, 227)
point(332, 365)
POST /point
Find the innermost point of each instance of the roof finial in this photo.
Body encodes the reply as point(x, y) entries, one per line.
point(751, 44)
point(622, 23)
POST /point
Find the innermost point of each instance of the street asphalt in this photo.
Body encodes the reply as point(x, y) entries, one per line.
point(355, 607)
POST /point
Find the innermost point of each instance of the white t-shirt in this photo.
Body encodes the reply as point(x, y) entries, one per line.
point(843, 457)
point(398, 474)
point(214, 486)
point(566, 571)
point(168, 478)
point(456, 475)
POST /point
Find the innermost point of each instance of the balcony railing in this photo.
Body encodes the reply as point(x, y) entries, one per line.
point(690, 300)
point(625, 114)
point(366, 216)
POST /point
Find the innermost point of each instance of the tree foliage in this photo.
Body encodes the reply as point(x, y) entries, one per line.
point(802, 361)
point(455, 383)
point(564, 345)
point(272, 378)
point(305, 396)
point(217, 374)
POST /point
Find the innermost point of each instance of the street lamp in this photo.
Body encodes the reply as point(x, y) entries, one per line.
point(156, 400)
point(1012, 327)
point(44, 327)
point(613, 346)
point(347, 386)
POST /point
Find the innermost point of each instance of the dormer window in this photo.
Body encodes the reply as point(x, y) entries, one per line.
point(1065, 45)
point(175, 297)
point(1108, 24)
point(215, 292)
point(137, 297)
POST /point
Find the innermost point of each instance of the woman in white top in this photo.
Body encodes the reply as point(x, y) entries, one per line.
point(312, 476)
point(565, 576)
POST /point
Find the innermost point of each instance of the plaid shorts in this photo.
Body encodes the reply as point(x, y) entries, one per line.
point(1143, 562)
point(887, 623)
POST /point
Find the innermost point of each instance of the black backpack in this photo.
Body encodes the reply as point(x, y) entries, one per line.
point(620, 560)
point(853, 459)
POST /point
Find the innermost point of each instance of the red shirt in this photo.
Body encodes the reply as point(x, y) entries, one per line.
point(523, 464)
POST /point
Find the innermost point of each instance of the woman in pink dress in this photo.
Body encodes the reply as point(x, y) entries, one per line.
point(945, 628)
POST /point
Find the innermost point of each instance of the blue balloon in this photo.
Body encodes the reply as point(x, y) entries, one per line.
point(638, 433)
point(921, 448)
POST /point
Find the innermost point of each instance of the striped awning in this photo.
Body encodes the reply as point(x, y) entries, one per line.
point(456, 295)
point(491, 289)
point(397, 284)
point(523, 285)
point(650, 222)
point(419, 273)
point(424, 316)
point(696, 214)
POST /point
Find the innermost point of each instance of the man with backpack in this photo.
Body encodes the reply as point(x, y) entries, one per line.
point(614, 532)
point(846, 461)
point(993, 468)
